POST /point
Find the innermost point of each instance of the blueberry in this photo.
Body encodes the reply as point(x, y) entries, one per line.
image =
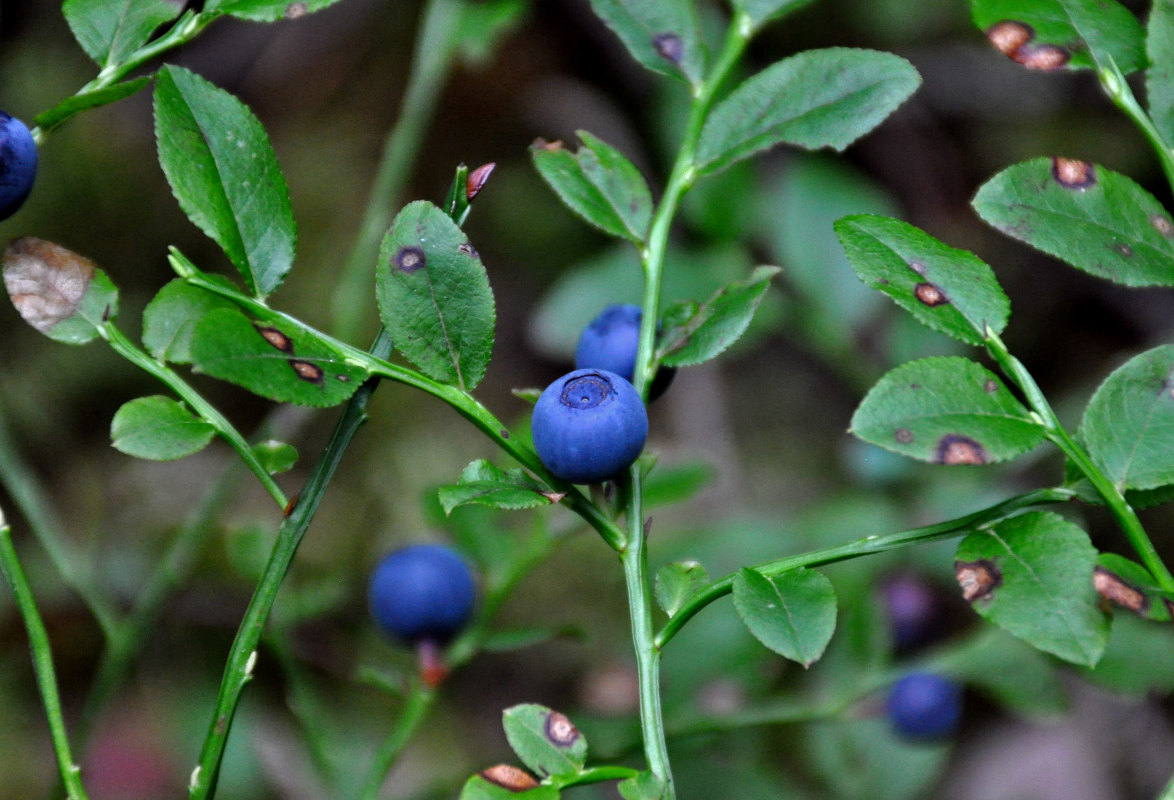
point(18, 164)
point(421, 593)
point(589, 426)
point(917, 613)
point(610, 342)
point(923, 706)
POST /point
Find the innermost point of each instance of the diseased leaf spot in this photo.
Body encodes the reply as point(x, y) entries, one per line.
point(550, 147)
point(903, 436)
point(669, 46)
point(296, 10)
point(954, 449)
point(930, 295)
point(276, 338)
point(410, 259)
point(1044, 57)
point(1162, 225)
point(1123, 250)
point(991, 386)
point(1112, 588)
point(310, 373)
point(978, 579)
point(560, 731)
point(509, 777)
point(466, 249)
point(917, 267)
point(1073, 174)
point(1009, 35)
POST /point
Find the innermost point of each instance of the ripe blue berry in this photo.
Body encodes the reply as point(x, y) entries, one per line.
point(18, 164)
point(917, 614)
point(589, 426)
point(924, 706)
point(610, 342)
point(421, 593)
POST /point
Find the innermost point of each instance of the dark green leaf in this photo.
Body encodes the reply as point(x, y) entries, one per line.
point(644, 786)
point(1032, 575)
point(76, 104)
point(111, 30)
point(663, 35)
point(477, 788)
point(1129, 423)
point(599, 184)
point(1053, 34)
point(225, 176)
point(949, 290)
point(61, 294)
point(818, 98)
point(762, 11)
point(434, 296)
point(718, 323)
point(546, 741)
point(793, 614)
point(266, 10)
point(1159, 78)
point(484, 484)
point(946, 410)
point(158, 428)
point(275, 456)
point(1124, 583)
point(675, 583)
point(1096, 220)
point(171, 317)
point(273, 359)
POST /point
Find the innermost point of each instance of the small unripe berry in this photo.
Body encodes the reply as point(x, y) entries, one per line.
point(923, 706)
point(422, 593)
point(610, 342)
point(18, 164)
point(589, 426)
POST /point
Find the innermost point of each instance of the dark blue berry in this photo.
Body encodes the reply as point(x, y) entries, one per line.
point(924, 706)
point(610, 342)
point(917, 613)
point(422, 593)
point(589, 426)
point(18, 164)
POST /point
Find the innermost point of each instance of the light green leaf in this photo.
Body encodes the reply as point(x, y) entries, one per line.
point(818, 98)
point(223, 172)
point(946, 410)
point(949, 290)
point(760, 12)
point(484, 484)
point(717, 324)
point(1054, 34)
point(1032, 575)
point(61, 294)
point(111, 30)
point(663, 35)
point(434, 296)
point(644, 786)
point(793, 614)
point(171, 317)
point(76, 104)
point(266, 10)
point(545, 740)
point(158, 428)
point(675, 583)
point(1138, 661)
point(1159, 78)
point(275, 456)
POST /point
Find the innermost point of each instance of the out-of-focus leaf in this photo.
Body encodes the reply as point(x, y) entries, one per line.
point(266, 10)
point(1139, 659)
point(158, 428)
point(762, 11)
point(478, 788)
point(1159, 77)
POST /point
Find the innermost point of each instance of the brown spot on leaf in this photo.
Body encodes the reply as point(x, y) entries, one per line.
point(1123, 250)
point(669, 46)
point(510, 777)
point(1162, 225)
point(1009, 35)
point(917, 267)
point(410, 259)
point(296, 10)
point(310, 373)
point(542, 144)
point(45, 281)
point(990, 386)
point(903, 436)
point(1072, 173)
point(560, 730)
point(931, 295)
point(978, 579)
point(1044, 57)
point(277, 339)
point(954, 449)
point(477, 180)
point(466, 249)
point(1111, 587)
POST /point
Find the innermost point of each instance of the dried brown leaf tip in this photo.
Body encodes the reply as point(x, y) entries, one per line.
point(45, 281)
point(1072, 173)
point(510, 777)
point(978, 579)
point(1111, 587)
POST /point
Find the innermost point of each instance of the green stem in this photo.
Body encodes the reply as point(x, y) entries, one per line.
point(864, 547)
point(205, 410)
point(1118, 506)
point(242, 657)
point(419, 700)
point(42, 661)
point(592, 775)
point(1115, 85)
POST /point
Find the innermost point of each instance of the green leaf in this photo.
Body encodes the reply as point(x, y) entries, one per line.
point(599, 184)
point(644, 786)
point(760, 12)
point(275, 456)
point(675, 583)
point(946, 410)
point(266, 10)
point(223, 172)
point(663, 35)
point(676, 483)
point(171, 317)
point(76, 104)
point(545, 740)
point(1129, 423)
point(1055, 34)
point(1015, 674)
point(1124, 583)
point(1159, 78)
point(949, 290)
point(484, 25)
point(434, 296)
point(1139, 659)
point(477, 788)
point(158, 428)
point(61, 294)
point(273, 359)
point(793, 614)
point(509, 641)
point(1097, 220)
point(111, 30)
point(1032, 575)
point(818, 98)
point(717, 324)
point(484, 484)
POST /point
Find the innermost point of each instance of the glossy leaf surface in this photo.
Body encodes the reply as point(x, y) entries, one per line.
point(484, 484)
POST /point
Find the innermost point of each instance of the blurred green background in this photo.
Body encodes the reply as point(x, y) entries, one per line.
point(761, 432)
